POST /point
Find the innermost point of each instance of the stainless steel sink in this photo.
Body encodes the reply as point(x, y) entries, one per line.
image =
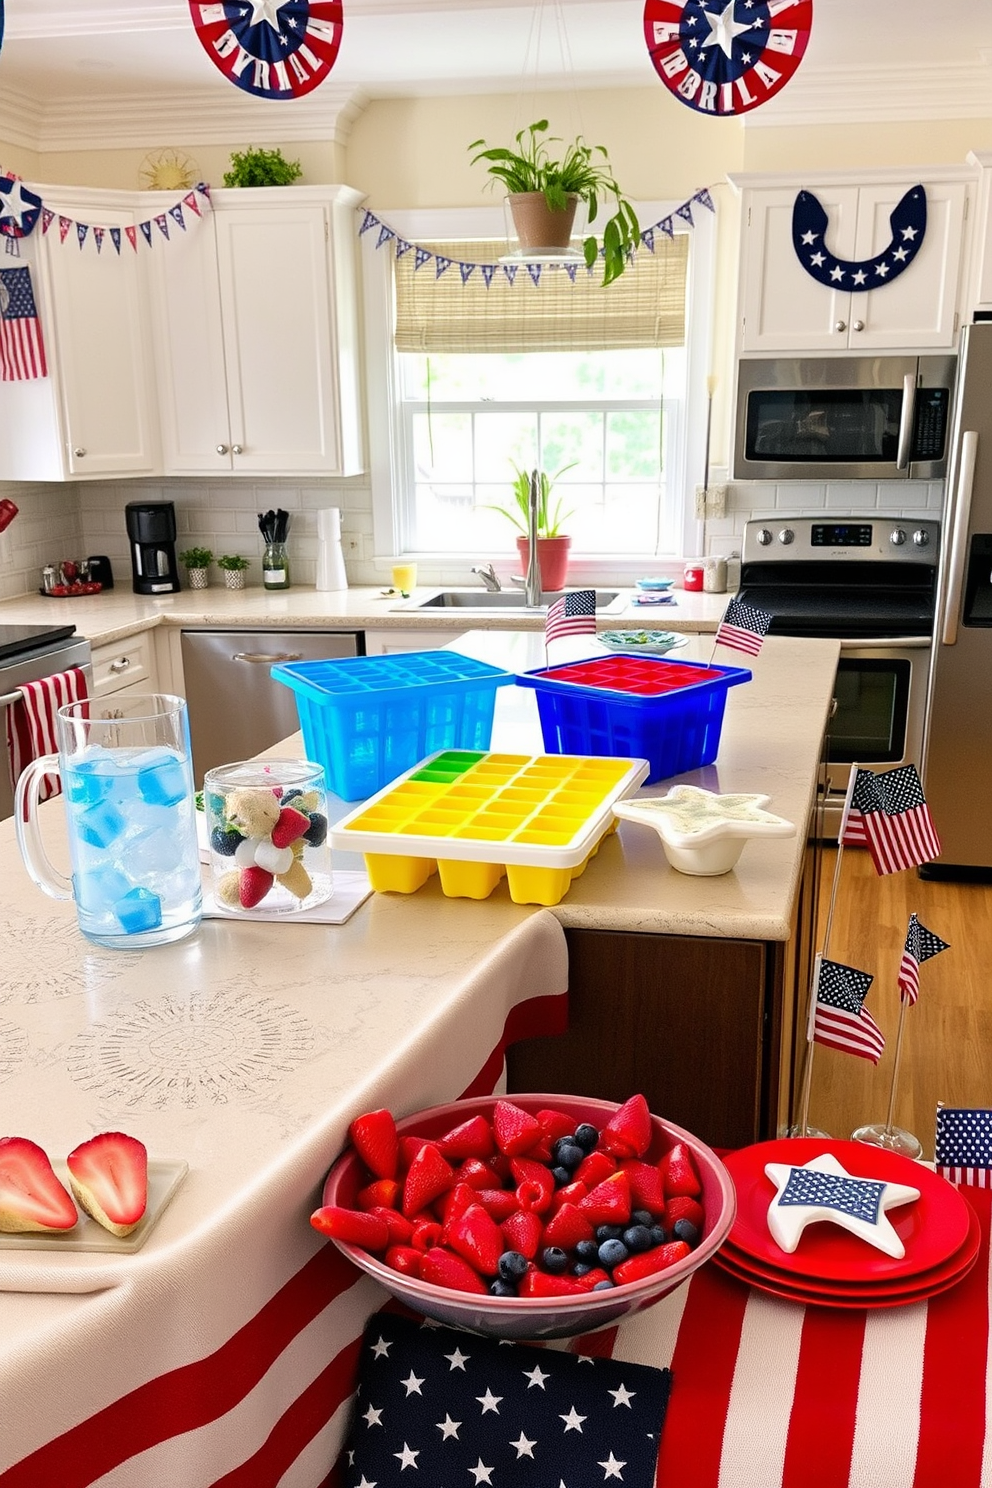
point(608, 601)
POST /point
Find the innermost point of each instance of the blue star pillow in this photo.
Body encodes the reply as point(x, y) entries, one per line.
point(436, 1406)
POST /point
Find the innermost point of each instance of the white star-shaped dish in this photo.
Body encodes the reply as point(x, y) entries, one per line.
point(701, 831)
point(823, 1190)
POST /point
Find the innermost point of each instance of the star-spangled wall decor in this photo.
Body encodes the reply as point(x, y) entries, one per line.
point(725, 57)
point(19, 209)
point(809, 227)
point(272, 48)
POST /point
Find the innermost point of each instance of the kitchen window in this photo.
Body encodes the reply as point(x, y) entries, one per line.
point(467, 382)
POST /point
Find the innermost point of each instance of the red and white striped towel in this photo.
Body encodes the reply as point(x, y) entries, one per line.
point(31, 722)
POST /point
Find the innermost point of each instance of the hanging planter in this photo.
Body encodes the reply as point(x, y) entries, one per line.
point(540, 228)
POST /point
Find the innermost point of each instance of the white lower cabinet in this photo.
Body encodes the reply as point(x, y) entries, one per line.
point(126, 666)
point(392, 642)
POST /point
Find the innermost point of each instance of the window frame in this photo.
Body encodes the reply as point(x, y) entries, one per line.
point(387, 461)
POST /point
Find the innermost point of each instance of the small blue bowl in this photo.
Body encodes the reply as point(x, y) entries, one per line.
point(655, 583)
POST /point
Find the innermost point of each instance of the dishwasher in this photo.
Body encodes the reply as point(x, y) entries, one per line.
point(27, 654)
point(235, 708)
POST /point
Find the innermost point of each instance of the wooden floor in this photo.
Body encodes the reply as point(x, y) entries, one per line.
point(947, 1039)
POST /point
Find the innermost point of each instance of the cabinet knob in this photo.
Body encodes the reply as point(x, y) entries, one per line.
point(121, 665)
point(222, 449)
point(841, 325)
point(236, 449)
point(79, 452)
point(859, 325)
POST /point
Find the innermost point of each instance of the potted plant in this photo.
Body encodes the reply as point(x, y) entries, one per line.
point(253, 167)
point(196, 562)
point(552, 545)
point(544, 192)
point(234, 569)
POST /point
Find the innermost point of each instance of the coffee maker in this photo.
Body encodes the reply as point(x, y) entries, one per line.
point(151, 526)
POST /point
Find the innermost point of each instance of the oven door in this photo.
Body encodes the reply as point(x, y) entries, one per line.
point(877, 720)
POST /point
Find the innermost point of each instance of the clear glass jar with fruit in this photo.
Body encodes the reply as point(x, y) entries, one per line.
point(266, 825)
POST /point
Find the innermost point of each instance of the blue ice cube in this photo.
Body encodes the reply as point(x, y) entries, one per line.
point(88, 779)
point(100, 825)
point(98, 889)
point(162, 778)
point(139, 910)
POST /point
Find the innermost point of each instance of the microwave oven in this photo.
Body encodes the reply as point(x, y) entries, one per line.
point(844, 418)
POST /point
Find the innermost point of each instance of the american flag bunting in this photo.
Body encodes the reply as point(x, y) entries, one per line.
point(838, 1017)
point(743, 628)
point(22, 350)
point(921, 944)
point(573, 614)
point(963, 1147)
point(889, 814)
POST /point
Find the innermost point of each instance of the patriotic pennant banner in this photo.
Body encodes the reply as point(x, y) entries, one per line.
point(888, 814)
point(488, 271)
point(921, 944)
point(191, 201)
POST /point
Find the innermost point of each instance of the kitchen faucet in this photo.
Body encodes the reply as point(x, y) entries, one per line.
point(487, 574)
point(533, 581)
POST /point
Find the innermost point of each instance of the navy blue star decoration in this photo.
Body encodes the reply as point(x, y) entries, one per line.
point(809, 228)
point(436, 1406)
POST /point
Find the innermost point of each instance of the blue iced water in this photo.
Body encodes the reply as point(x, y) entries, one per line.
point(138, 910)
point(100, 825)
point(98, 888)
point(162, 778)
point(88, 778)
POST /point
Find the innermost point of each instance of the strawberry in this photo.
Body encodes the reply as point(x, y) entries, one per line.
point(678, 1172)
point(567, 1228)
point(351, 1226)
point(555, 1124)
point(628, 1131)
point(477, 1174)
point(646, 1188)
point(109, 1177)
point(473, 1138)
point(594, 1168)
point(456, 1201)
point(592, 1278)
point(253, 885)
point(608, 1202)
point(373, 1136)
point(384, 1193)
point(31, 1197)
point(476, 1237)
point(516, 1131)
point(427, 1177)
point(409, 1147)
point(681, 1206)
point(400, 1229)
point(535, 1185)
point(425, 1233)
point(445, 1269)
point(649, 1261)
point(404, 1258)
point(541, 1284)
point(291, 825)
point(499, 1202)
point(522, 1231)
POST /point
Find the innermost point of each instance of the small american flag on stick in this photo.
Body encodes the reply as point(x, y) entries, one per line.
point(22, 351)
point(743, 628)
point(839, 1018)
point(573, 614)
point(963, 1149)
point(921, 944)
point(889, 813)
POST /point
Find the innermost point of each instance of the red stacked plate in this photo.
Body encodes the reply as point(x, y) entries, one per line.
point(830, 1267)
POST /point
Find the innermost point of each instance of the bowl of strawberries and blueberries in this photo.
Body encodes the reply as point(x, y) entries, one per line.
point(526, 1216)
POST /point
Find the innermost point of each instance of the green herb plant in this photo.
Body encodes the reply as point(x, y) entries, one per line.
point(549, 520)
point(233, 562)
point(578, 172)
point(196, 558)
point(253, 167)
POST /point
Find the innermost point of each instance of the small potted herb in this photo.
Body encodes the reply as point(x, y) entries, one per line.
point(196, 562)
point(234, 567)
point(253, 167)
point(552, 545)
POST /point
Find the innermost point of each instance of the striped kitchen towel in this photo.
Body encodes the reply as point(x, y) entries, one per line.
point(31, 722)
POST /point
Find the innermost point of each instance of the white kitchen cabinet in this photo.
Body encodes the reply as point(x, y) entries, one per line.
point(394, 642)
point(125, 666)
point(782, 308)
point(255, 313)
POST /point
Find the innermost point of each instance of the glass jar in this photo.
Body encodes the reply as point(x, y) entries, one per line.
point(275, 566)
point(266, 826)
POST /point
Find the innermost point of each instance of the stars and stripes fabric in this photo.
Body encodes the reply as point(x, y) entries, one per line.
point(921, 944)
point(743, 628)
point(22, 349)
point(838, 1017)
point(438, 1406)
point(963, 1145)
point(573, 614)
point(888, 813)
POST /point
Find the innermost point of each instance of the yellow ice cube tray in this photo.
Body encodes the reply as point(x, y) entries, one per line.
point(471, 817)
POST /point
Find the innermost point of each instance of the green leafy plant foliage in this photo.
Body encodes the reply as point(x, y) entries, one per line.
point(196, 558)
point(578, 172)
point(233, 562)
point(548, 520)
point(253, 167)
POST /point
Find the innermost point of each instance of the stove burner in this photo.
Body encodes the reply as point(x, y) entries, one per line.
point(24, 640)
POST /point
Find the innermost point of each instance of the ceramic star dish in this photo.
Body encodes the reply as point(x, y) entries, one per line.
point(702, 832)
point(823, 1190)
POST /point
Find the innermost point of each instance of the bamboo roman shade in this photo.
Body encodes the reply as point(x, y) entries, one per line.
point(645, 307)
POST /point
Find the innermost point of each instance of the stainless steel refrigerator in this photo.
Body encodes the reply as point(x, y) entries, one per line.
point(957, 746)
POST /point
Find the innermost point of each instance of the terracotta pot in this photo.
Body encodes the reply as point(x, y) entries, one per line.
point(537, 226)
point(552, 560)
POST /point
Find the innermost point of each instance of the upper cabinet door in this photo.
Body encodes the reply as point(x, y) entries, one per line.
point(919, 308)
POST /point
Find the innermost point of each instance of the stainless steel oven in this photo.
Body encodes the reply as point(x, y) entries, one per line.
point(870, 583)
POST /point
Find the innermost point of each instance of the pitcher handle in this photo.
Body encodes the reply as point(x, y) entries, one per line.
point(36, 859)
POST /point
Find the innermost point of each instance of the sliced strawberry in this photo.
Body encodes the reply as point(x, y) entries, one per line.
point(571, 1193)
point(473, 1138)
point(681, 1206)
point(109, 1177)
point(567, 1228)
point(400, 1229)
point(608, 1202)
point(291, 825)
point(374, 1138)
point(445, 1269)
point(678, 1172)
point(649, 1261)
point(522, 1231)
point(456, 1201)
point(535, 1185)
point(427, 1177)
point(253, 885)
point(31, 1197)
point(594, 1168)
point(499, 1202)
point(409, 1147)
point(425, 1233)
point(477, 1174)
point(477, 1238)
point(646, 1188)
point(555, 1124)
point(384, 1193)
point(628, 1131)
point(541, 1284)
point(516, 1131)
point(352, 1226)
point(405, 1259)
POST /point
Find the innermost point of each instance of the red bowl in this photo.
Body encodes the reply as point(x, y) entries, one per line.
point(540, 1317)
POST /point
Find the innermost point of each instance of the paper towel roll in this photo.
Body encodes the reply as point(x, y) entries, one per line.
point(330, 559)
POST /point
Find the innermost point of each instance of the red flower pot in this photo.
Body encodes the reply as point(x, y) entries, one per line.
point(552, 560)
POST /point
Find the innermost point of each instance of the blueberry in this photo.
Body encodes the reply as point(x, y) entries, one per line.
point(317, 830)
point(225, 842)
point(288, 796)
point(568, 1154)
point(684, 1229)
point(581, 1268)
point(659, 1235)
point(587, 1250)
point(642, 1216)
point(554, 1259)
point(604, 1285)
point(611, 1253)
point(499, 1288)
point(561, 1176)
point(637, 1237)
point(512, 1265)
point(608, 1232)
point(586, 1136)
